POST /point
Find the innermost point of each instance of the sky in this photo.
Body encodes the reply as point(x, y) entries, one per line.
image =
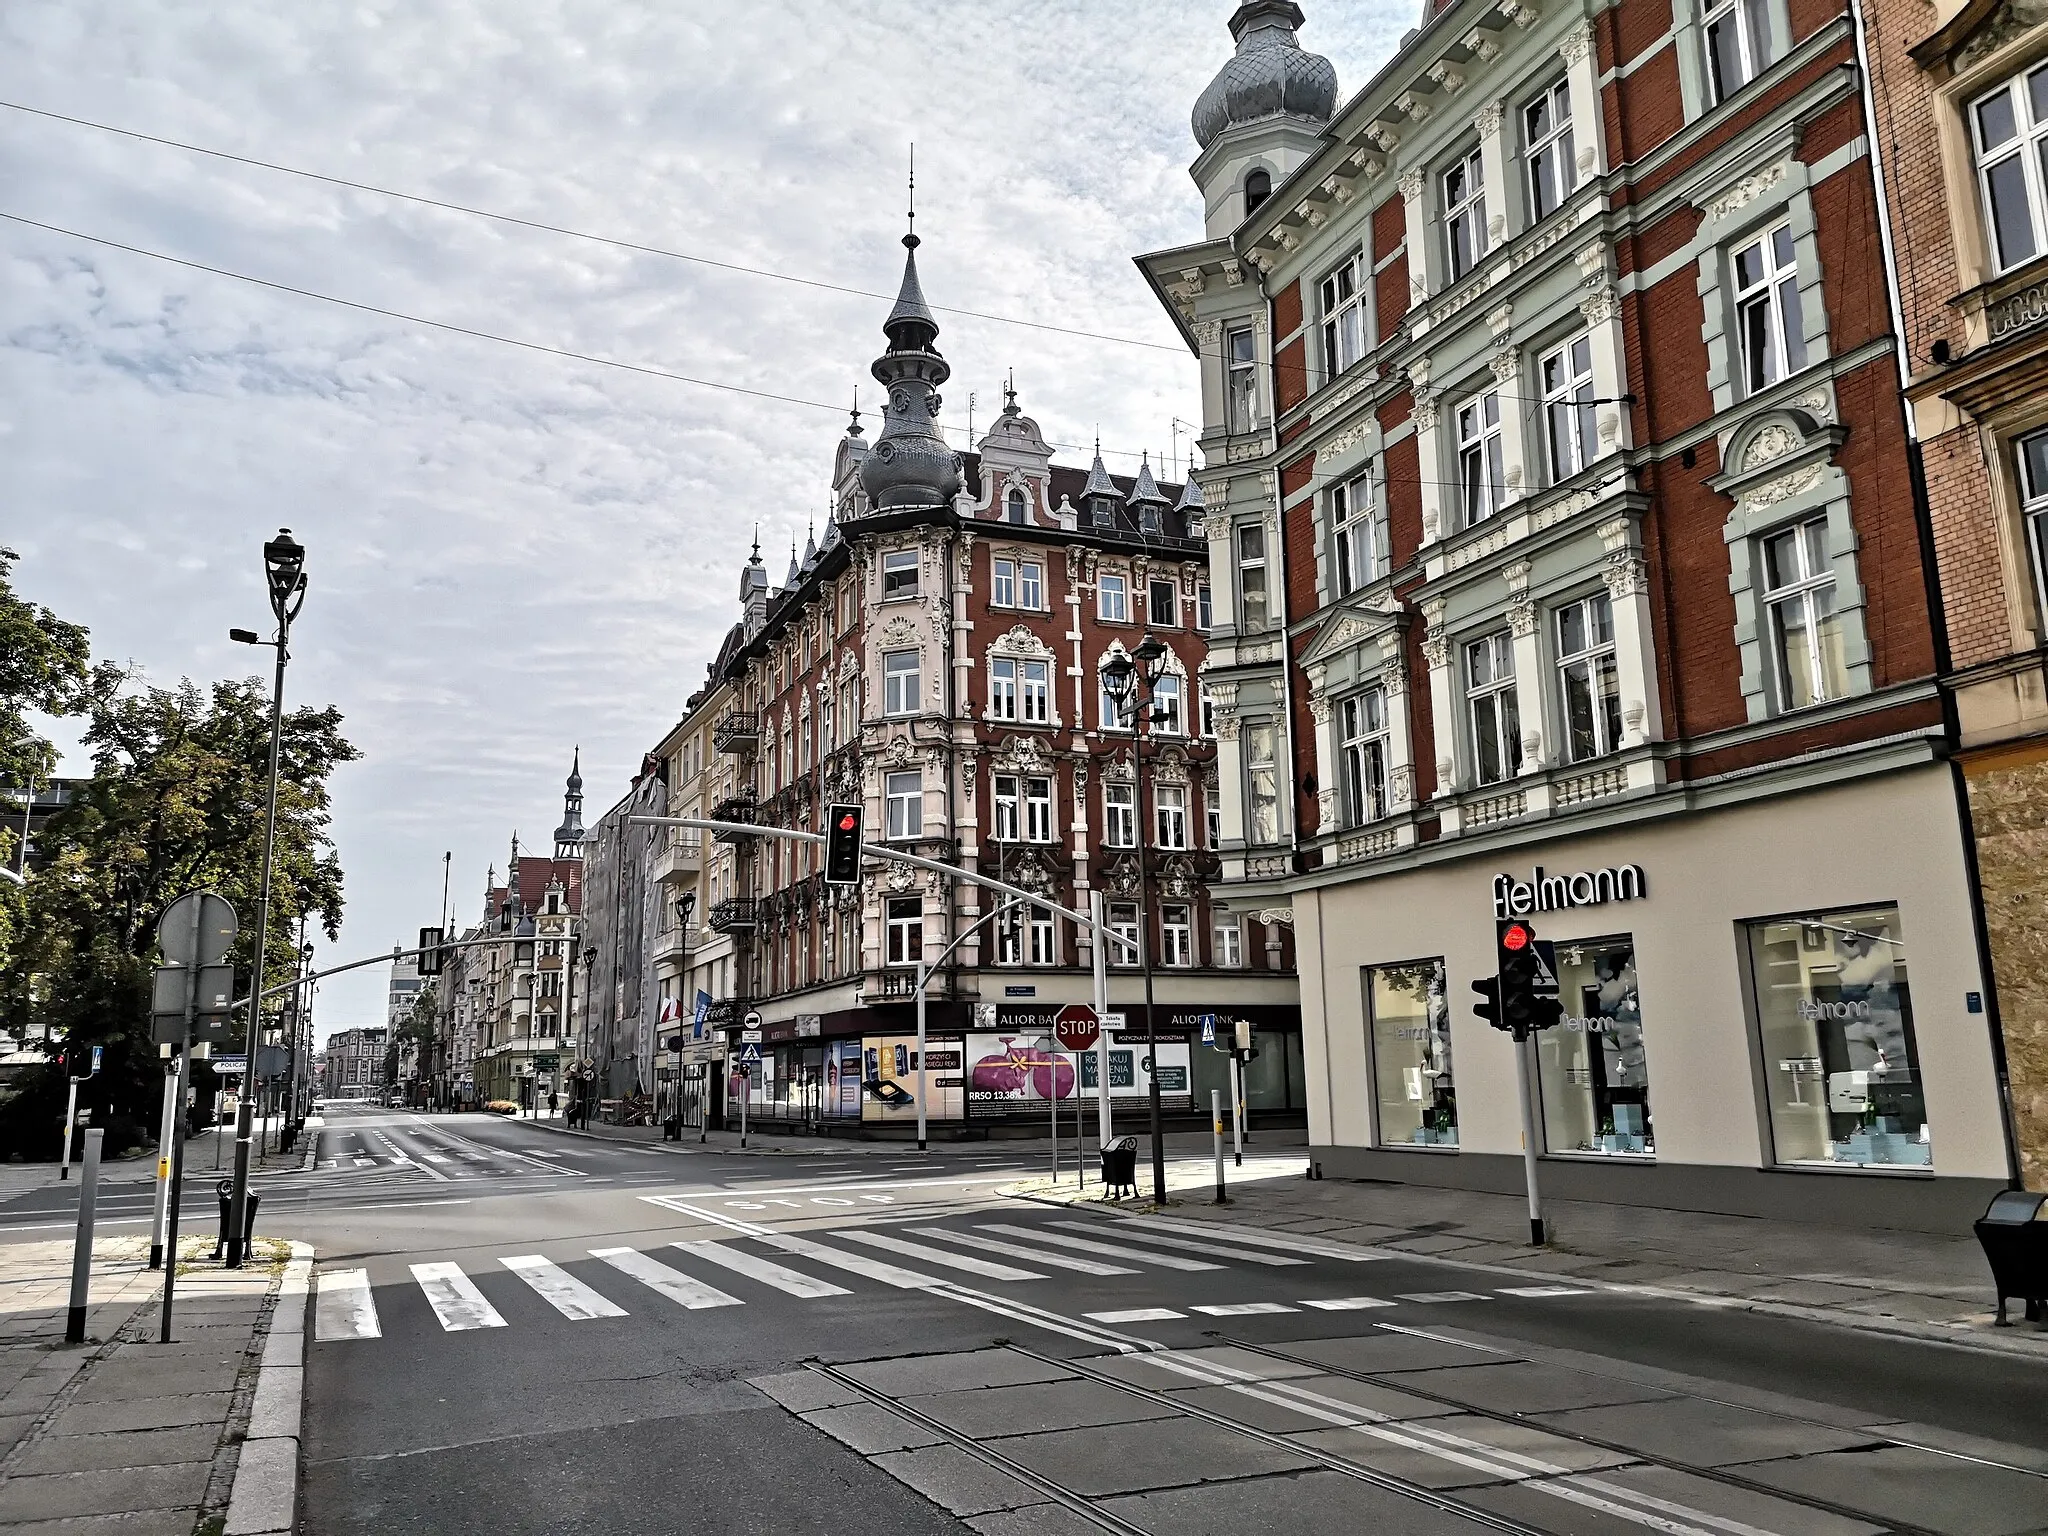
point(512, 554)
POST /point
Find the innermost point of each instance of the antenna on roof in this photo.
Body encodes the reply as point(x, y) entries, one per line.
point(913, 193)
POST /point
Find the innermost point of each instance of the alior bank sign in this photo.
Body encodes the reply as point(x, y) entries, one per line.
point(1552, 893)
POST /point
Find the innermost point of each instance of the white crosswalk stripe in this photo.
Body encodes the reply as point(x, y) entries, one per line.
point(1245, 1309)
point(1163, 1260)
point(960, 1261)
point(560, 1289)
point(1545, 1290)
point(1066, 1261)
point(1346, 1303)
point(1190, 1245)
point(455, 1299)
point(754, 1267)
point(674, 1284)
point(1136, 1315)
point(344, 1309)
point(1429, 1296)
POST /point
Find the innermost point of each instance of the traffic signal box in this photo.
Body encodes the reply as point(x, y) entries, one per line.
point(1521, 996)
point(842, 844)
point(432, 957)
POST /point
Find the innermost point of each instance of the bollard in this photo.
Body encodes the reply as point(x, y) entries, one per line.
point(1216, 1130)
point(249, 1225)
point(225, 1189)
point(81, 1252)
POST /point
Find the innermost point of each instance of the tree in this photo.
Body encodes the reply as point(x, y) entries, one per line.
point(175, 803)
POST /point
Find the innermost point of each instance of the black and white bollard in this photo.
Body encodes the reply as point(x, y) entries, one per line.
point(1216, 1130)
point(81, 1252)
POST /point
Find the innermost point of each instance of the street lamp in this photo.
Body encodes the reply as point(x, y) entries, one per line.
point(284, 573)
point(1130, 682)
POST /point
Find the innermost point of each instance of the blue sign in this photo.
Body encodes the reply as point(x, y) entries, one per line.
point(749, 1054)
point(1208, 1029)
point(1027, 991)
point(96, 1050)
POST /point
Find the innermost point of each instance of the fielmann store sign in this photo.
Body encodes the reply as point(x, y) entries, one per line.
point(1553, 893)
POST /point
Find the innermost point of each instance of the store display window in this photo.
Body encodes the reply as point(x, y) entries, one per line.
point(1593, 1068)
point(1411, 1054)
point(1842, 1070)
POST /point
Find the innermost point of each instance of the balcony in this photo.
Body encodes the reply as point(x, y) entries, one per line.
point(891, 986)
point(740, 808)
point(726, 1012)
point(681, 860)
point(736, 731)
point(672, 944)
point(733, 915)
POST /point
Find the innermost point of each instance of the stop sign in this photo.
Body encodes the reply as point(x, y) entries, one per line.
point(1076, 1027)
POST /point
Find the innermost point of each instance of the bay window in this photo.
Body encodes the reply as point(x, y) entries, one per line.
point(899, 683)
point(903, 805)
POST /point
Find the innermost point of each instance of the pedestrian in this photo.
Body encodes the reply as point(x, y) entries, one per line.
point(554, 1103)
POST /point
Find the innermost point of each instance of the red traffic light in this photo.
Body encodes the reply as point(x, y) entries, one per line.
point(1514, 938)
point(848, 822)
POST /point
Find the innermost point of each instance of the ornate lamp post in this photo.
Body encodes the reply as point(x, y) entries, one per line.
point(1130, 681)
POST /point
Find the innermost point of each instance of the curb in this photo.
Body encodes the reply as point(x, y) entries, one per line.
point(266, 1490)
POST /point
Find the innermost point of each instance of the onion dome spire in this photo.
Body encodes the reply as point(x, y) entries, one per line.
point(1271, 75)
point(910, 465)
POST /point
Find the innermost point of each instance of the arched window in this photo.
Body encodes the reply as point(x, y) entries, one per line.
point(1015, 503)
point(1257, 188)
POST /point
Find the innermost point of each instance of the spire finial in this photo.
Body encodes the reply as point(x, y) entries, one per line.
point(757, 546)
point(1010, 394)
point(854, 430)
point(910, 240)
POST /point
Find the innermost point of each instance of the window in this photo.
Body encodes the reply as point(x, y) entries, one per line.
point(1241, 380)
point(1836, 1013)
point(1547, 145)
point(803, 740)
point(1569, 426)
point(1176, 935)
point(1482, 479)
point(1806, 632)
point(1045, 949)
point(1002, 689)
point(1038, 810)
point(1112, 599)
point(1162, 605)
point(1586, 667)
point(1464, 214)
point(1120, 815)
point(1170, 813)
point(1003, 589)
point(1010, 937)
point(1205, 710)
point(1008, 803)
point(1205, 615)
point(899, 683)
point(1496, 714)
point(1114, 717)
point(1362, 755)
point(899, 574)
point(848, 598)
point(849, 705)
point(1262, 781)
point(1251, 575)
point(1030, 584)
point(1343, 317)
point(906, 930)
point(1258, 186)
point(1123, 924)
point(2033, 456)
point(1226, 943)
point(1358, 527)
point(905, 804)
point(1738, 45)
point(1148, 518)
point(1410, 1016)
point(1035, 691)
point(1166, 715)
point(1767, 311)
point(828, 740)
point(2011, 127)
point(1014, 504)
point(1214, 814)
point(1593, 1069)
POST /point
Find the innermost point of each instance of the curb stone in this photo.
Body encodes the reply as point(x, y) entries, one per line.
point(266, 1488)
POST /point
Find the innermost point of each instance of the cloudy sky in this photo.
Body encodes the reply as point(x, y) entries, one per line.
point(513, 553)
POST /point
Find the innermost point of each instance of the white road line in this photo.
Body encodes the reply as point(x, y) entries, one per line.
point(1136, 1315)
point(1189, 1245)
point(1544, 1290)
point(1290, 1242)
point(1346, 1303)
point(754, 1267)
point(1246, 1309)
point(960, 1261)
point(560, 1289)
point(455, 1299)
point(1429, 1296)
point(673, 1284)
point(366, 1162)
point(1038, 1235)
point(1079, 1266)
point(344, 1308)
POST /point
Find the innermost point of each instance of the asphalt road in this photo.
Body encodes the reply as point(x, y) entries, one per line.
point(520, 1331)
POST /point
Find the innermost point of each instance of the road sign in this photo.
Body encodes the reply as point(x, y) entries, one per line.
point(1543, 982)
point(750, 1037)
point(1076, 1027)
point(752, 1020)
point(229, 1066)
point(1208, 1029)
point(218, 927)
point(749, 1054)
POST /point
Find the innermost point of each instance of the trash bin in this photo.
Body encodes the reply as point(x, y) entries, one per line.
point(2014, 1232)
point(1120, 1166)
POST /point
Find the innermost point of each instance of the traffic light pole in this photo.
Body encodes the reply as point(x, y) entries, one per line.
point(1525, 1069)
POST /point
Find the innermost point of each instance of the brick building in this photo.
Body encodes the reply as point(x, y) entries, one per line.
point(1566, 564)
point(937, 659)
point(1961, 92)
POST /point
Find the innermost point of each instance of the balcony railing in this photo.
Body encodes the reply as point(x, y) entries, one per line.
point(734, 914)
point(740, 808)
point(899, 985)
point(726, 1011)
point(737, 731)
point(679, 860)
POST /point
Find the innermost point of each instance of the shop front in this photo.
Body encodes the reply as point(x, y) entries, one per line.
point(1770, 1009)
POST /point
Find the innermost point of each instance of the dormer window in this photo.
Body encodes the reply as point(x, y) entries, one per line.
point(1014, 505)
point(1105, 512)
point(899, 574)
point(1257, 188)
point(1148, 519)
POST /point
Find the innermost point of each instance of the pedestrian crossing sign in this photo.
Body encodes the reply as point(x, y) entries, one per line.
point(1208, 1029)
point(749, 1054)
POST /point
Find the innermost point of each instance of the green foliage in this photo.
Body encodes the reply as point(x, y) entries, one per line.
point(44, 665)
point(417, 1027)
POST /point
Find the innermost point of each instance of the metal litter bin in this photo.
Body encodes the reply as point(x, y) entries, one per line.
point(2014, 1233)
point(1120, 1166)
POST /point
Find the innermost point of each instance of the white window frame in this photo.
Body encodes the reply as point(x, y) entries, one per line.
point(1003, 583)
point(2033, 486)
point(1177, 935)
point(1034, 692)
point(1170, 815)
point(1016, 505)
point(1799, 596)
point(899, 683)
point(1205, 608)
point(1010, 937)
point(1008, 801)
point(1342, 293)
point(904, 918)
point(1045, 948)
point(1262, 782)
point(1491, 697)
point(1114, 717)
point(1205, 711)
point(1770, 298)
point(1596, 665)
point(1358, 532)
point(1571, 429)
point(895, 563)
point(2027, 146)
point(1119, 814)
point(1255, 602)
point(1747, 26)
point(903, 806)
point(1167, 716)
point(1226, 942)
point(1171, 608)
point(1002, 688)
point(1241, 380)
point(1030, 585)
point(1038, 796)
point(1123, 922)
point(1462, 186)
point(1549, 153)
point(1482, 469)
point(1364, 746)
point(1113, 598)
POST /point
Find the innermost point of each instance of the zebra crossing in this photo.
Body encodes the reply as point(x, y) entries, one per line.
point(736, 1269)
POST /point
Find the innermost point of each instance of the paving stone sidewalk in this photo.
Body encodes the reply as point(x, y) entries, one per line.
point(121, 1433)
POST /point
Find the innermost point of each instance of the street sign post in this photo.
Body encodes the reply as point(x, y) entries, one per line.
point(195, 934)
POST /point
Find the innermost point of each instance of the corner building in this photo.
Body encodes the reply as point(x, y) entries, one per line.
point(936, 657)
point(1565, 564)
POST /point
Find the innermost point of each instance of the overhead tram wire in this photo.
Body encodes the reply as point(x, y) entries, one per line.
point(566, 353)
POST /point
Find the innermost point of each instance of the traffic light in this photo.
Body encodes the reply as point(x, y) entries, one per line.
point(842, 844)
point(431, 956)
point(1515, 960)
point(1488, 1006)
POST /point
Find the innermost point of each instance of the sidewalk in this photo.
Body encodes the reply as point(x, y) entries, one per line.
point(759, 1143)
point(1910, 1283)
point(123, 1434)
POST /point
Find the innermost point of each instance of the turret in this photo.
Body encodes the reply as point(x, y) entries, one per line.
point(1263, 114)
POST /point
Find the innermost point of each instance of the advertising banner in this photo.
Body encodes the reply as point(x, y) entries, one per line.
point(1018, 1075)
point(888, 1078)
